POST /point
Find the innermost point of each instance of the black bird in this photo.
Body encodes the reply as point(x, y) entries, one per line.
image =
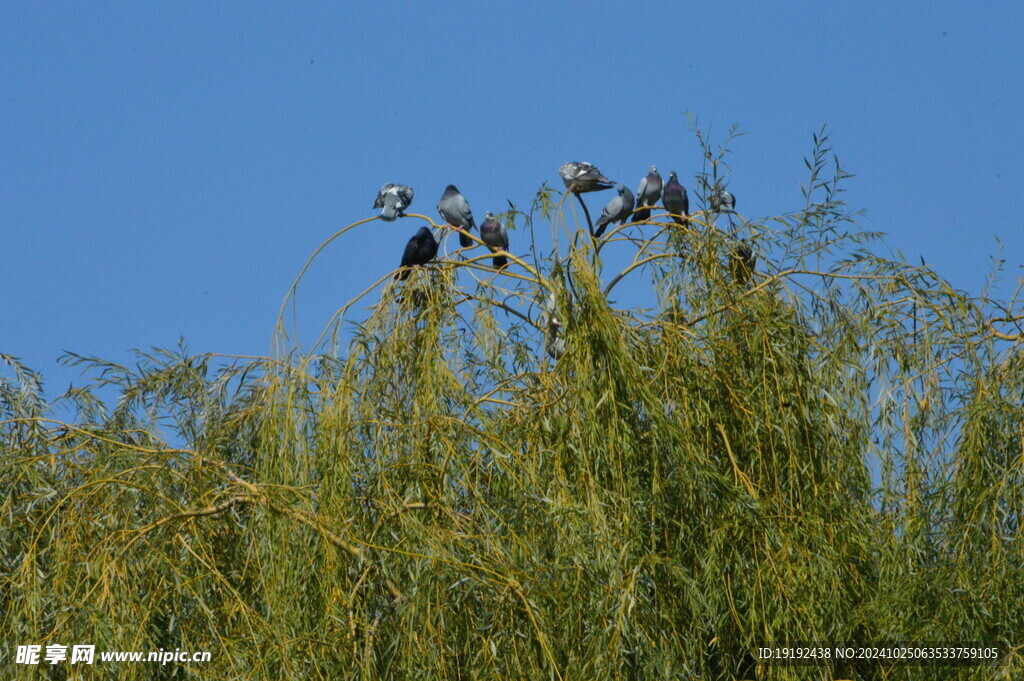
point(743, 262)
point(454, 208)
point(677, 203)
point(495, 235)
point(648, 194)
point(420, 250)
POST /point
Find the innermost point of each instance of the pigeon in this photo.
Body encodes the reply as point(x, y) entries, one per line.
point(722, 201)
point(454, 208)
point(554, 342)
point(618, 210)
point(677, 203)
point(743, 262)
point(583, 177)
point(648, 194)
point(494, 234)
point(420, 250)
point(393, 199)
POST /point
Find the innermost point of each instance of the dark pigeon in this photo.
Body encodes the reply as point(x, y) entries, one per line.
point(494, 234)
point(420, 250)
point(454, 208)
point(618, 210)
point(393, 199)
point(582, 177)
point(743, 262)
point(677, 203)
point(648, 194)
point(722, 201)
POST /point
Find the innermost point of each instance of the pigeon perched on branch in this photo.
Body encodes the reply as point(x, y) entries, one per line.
point(583, 177)
point(421, 249)
point(648, 194)
point(674, 197)
point(494, 234)
point(618, 210)
point(722, 201)
point(743, 262)
point(554, 341)
point(393, 199)
point(454, 208)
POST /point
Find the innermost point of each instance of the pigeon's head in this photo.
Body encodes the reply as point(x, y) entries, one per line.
point(451, 188)
point(488, 215)
point(672, 177)
point(654, 170)
point(621, 189)
point(423, 233)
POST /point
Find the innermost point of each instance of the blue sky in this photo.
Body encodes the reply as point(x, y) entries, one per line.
point(167, 168)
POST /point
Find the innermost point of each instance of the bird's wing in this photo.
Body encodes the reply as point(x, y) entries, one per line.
point(427, 248)
point(405, 194)
point(503, 233)
point(409, 257)
point(627, 203)
point(571, 171)
point(462, 205)
point(612, 210)
point(641, 191)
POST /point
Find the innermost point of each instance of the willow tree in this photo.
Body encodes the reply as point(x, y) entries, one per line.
point(510, 475)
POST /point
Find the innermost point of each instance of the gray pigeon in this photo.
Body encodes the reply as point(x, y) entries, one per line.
point(648, 194)
point(494, 234)
point(722, 201)
point(554, 341)
point(743, 262)
point(421, 249)
point(582, 177)
point(677, 203)
point(393, 199)
point(618, 210)
point(454, 208)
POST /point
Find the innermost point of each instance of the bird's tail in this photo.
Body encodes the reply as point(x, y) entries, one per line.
point(642, 214)
point(464, 239)
point(500, 262)
point(402, 274)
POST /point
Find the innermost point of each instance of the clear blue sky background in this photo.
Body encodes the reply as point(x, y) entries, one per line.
point(167, 168)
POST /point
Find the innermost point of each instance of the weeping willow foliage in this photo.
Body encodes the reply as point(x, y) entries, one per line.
point(828, 451)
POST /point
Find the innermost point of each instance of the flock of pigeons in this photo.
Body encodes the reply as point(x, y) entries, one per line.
point(393, 199)
point(579, 178)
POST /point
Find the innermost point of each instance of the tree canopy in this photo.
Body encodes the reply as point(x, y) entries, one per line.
point(511, 476)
